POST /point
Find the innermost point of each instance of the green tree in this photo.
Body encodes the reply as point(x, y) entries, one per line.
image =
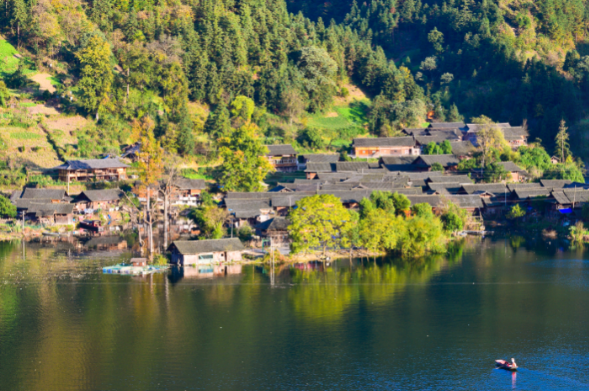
point(445, 148)
point(243, 107)
point(515, 212)
point(454, 115)
point(423, 210)
point(7, 209)
point(96, 74)
point(437, 167)
point(218, 123)
point(436, 38)
point(401, 202)
point(383, 200)
point(318, 221)
point(380, 230)
point(452, 222)
point(20, 16)
point(422, 235)
point(244, 160)
point(562, 142)
point(293, 104)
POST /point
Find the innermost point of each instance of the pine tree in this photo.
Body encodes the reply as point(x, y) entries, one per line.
point(186, 142)
point(562, 142)
point(20, 16)
point(218, 123)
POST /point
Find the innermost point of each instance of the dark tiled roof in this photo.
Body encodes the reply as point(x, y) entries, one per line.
point(15, 196)
point(439, 137)
point(190, 184)
point(467, 201)
point(462, 179)
point(424, 175)
point(92, 164)
point(416, 131)
point(102, 195)
point(50, 209)
point(321, 158)
point(555, 183)
point(247, 208)
point(494, 188)
point(25, 203)
point(449, 187)
point(248, 195)
point(524, 194)
point(522, 186)
point(398, 160)
point(510, 166)
point(444, 160)
point(281, 149)
point(333, 176)
point(320, 167)
point(561, 198)
point(515, 133)
point(384, 142)
point(462, 148)
point(191, 247)
point(446, 125)
point(474, 128)
point(351, 166)
point(433, 200)
point(577, 195)
point(44, 194)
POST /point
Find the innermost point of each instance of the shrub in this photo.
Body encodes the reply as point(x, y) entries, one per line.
point(423, 210)
point(437, 167)
point(160, 260)
point(452, 222)
point(245, 233)
point(7, 209)
point(516, 212)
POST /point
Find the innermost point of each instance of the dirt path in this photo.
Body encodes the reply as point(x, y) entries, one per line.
point(44, 82)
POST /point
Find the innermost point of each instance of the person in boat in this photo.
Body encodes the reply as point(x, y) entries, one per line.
point(513, 364)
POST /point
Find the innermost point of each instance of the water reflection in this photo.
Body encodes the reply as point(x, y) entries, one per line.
point(66, 326)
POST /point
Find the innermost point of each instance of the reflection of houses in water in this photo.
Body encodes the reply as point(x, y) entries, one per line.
point(204, 272)
point(105, 243)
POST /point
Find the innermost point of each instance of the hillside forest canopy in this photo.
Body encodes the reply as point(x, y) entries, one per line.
point(202, 68)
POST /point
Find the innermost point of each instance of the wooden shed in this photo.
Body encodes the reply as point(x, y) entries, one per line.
point(195, 252)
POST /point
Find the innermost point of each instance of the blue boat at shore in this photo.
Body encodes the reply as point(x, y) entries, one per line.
point(130, 269)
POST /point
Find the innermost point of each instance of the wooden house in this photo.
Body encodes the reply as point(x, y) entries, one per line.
point(195, 252)
point(98, 199)
point(187, 191)
point(516, 136)
point(92, 170)
point(50, 213)
point(282, 157)
point(517, 173)
point(385, 146)
point(425, 162)
point(275, 229)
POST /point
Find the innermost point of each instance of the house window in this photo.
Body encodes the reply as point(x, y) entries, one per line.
point(205, 257)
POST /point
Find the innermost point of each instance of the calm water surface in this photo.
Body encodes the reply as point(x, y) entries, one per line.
point(435, 323)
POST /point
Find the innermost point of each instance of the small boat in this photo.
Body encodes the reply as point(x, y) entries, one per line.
point(504, 364)
point(56, 234)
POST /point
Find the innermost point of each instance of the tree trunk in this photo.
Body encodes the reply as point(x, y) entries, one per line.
point(166, 217)
point(97, 116)
point(150, 233)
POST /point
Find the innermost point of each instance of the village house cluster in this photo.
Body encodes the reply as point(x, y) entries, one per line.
point(401, 167)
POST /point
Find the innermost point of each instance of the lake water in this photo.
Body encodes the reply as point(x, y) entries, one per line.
point(435, 323)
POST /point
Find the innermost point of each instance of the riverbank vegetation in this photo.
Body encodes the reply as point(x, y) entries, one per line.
point(384, 223)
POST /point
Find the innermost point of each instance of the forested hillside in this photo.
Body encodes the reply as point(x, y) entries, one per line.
point(190, 64)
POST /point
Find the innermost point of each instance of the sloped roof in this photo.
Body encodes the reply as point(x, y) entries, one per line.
point(349, 196)
point(416, 131)
point(561, 198)
point(522, 186)
point(555, 183)
point(433, 200)
point(44, 194)
point(289, 199)
point(494, 188)
point(461, 148)
point(474, 128)
point(102, 195)
point(247, 195)
point(25, 203)
point(190, 184)
point(398, 160)
point(191, 247)
point(439, 137)
point(577, 195)
point(91, 164)
point(320, 167)
point(384, 142)
point(524, 194)
point(281, 149)
point(462, 179)
point(247, 208)
point(50, 209)
point(446, 187)
point(321, 158)
point(467, 201)
point(444, 160)
point(423, 175)
point(446, 125)
point(351, 166)
point(510, 166)
point(274, 224)
point(515, 133)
